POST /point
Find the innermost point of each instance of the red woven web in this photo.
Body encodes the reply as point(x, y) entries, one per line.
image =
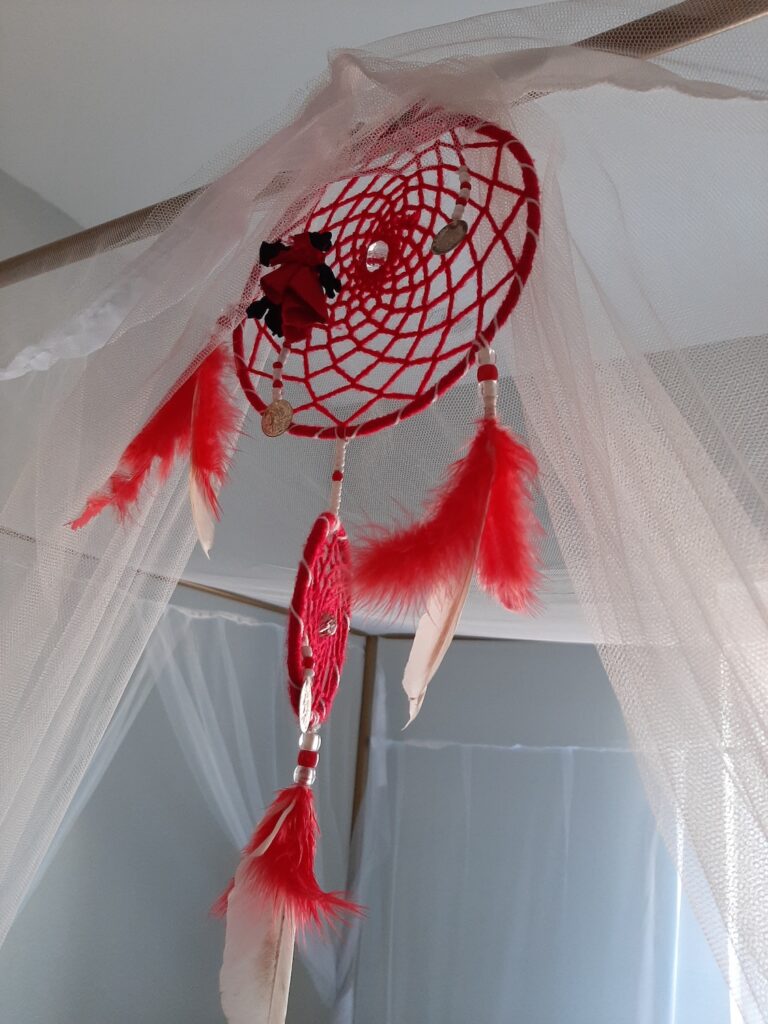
point(403, 331)
point(320, 598)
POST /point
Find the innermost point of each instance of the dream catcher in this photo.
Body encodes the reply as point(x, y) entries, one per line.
point(376, 297)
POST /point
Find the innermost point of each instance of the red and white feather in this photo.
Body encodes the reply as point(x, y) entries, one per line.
point(480, 519)
point(198, 418)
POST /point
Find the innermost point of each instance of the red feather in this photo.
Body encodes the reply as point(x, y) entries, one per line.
point(507, 560)
point(284, 872)
point(482, 510)
point(397, 571)
point(215, 421)
point(164, 437)
point(199, 414)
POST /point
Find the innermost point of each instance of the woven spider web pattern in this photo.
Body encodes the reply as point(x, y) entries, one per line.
point(319, 614)
point(408, 322)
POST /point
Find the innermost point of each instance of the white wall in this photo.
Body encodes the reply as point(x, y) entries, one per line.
point(27, 220)
point(107, 106)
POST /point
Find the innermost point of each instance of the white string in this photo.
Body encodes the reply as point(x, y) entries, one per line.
point(340, 455)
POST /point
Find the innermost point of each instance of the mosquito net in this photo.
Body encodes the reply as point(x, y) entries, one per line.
point(634, 365)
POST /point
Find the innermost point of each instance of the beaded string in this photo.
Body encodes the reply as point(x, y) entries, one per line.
point(337, 476)
point(305, 771)
point(488, 379)
point(465, 186)
point(277, 372)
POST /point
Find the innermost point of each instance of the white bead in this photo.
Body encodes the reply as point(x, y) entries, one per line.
point(309, 741)
point(304, 776)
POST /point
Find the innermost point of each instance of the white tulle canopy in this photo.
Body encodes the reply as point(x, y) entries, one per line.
point(635, 366)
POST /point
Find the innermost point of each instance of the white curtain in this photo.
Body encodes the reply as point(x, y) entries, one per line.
point(524, 881)
point(221, 677)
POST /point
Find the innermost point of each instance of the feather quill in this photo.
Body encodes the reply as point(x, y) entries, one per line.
point(433, 637)
point(202, 515)
point(258, 956)
point(215, 420)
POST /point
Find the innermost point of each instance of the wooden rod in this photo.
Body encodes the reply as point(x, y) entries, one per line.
point(649, 36)
point(252, 602)
point(112, 234)
point(364, 727)
point(676, 26)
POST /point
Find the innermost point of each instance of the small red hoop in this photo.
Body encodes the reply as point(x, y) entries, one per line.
point(319, 614)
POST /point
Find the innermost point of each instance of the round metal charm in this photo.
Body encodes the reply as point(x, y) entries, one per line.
point(449, 237)
point(328, 625)
point(276, 418)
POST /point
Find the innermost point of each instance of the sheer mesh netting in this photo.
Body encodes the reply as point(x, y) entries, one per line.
point(635, 365)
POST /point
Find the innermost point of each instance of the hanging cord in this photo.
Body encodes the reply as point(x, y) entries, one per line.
point(465, 186)
point(277, 372)
point(337, 476)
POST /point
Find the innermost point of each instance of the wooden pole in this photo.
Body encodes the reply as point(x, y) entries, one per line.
point(646, 37)
point(364, 727)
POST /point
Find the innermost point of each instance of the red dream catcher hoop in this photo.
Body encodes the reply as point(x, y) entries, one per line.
point(376, 299)
point(410, 320)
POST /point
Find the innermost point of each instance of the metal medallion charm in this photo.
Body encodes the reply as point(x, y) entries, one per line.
point(449, 237)
point(276, 418)
point(305, 706)
point(328, 625)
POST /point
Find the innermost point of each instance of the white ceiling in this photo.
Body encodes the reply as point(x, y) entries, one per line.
point(107, 105)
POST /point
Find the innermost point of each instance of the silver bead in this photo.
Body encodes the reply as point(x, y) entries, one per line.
point(304, 776)
point(309, 741)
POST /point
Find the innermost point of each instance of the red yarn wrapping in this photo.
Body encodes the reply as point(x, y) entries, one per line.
point(168, 434)
point(321, 593)
point(284, 872)
point(485, 506)
point(405, 329)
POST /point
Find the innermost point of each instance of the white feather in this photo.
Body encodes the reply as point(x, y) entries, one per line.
point(258, 956)
point(433, 638)
point(202, 514)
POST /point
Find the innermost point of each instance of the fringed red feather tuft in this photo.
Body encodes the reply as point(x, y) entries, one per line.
point(507, 559)
point(280, 861)
point(164, 437)
point(398, 571)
